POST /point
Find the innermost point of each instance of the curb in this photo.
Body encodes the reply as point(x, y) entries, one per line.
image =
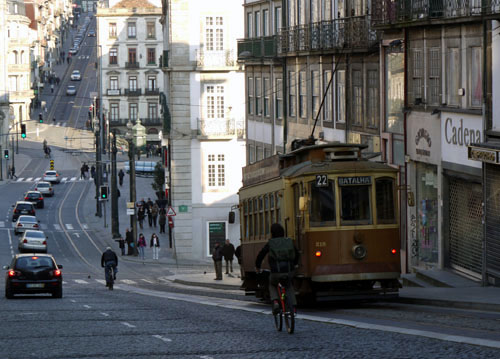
point(450, 303)
point(206, 285)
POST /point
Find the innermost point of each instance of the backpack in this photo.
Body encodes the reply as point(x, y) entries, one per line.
point(282, 249)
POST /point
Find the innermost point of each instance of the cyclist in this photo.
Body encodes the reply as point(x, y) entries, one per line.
point(283, 259)
point(109, 260)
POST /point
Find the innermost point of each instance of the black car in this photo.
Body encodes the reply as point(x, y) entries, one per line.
point(22, 207)
point(34, 197)
point(31, 274)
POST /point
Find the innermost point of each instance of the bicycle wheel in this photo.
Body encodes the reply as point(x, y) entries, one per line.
point(278, 320)
point(289, 316)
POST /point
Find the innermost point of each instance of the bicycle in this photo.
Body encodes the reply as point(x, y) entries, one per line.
point(286, 308)
point(110, 273)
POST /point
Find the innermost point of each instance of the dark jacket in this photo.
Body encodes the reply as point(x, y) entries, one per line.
point(121, 242)
point(157, 241)
point(238, 254)
point(129, 237)
point(108, 256)
point(217, 254)
point(162, 219)
point(121, 174)
point(273, 265)
point(228, 251)
point(141, 214)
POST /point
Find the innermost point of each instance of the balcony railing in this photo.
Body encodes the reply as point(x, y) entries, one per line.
point(223, 58)
point(257, 48)
point(386, 12)
point(152, 121)
point(221, 127)
point(347, 33)
point(131, 65)
point(134, 92)
point(113, 92)
point(118, 121)
point(152, 91)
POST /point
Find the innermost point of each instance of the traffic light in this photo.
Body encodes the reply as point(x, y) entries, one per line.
point(51, 164)
point(6, 154)
point(23, 130)
point(103, 193)
point(40, 118)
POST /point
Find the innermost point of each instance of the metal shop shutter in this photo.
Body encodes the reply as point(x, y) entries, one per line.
point(493, 222)
point(466, 229)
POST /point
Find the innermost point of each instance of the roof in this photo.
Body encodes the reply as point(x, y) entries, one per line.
point(309, 168)
point(129, 4)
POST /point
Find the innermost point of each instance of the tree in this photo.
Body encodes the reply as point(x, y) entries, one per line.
point(159, 181)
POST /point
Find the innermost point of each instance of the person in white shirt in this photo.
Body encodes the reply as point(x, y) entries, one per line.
point(155, 244)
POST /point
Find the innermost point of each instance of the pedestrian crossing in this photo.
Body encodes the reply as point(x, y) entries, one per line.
point(63, 180)
point(44, 227)
point(102, 281)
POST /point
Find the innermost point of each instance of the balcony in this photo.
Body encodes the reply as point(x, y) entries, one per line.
point(351, 33)
point(131, 65)
point(134, 92)
point(113, 92)
point(408, 12)
point(164, 59)
point(221, 128)
point(153, 121)
point(217, 59)
point(257, 48)
point(118, 121)
point(152, 92)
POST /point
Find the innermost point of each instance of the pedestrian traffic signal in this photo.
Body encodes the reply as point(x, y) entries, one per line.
point(103, 193)
point(23, 131)
point(40, 118)
point(6, 154)
point(51, 164)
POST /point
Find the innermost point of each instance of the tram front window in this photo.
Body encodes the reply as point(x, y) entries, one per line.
point(322, 208)
point(355, 205)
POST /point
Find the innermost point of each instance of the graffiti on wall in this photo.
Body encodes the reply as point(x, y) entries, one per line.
point(413, 236)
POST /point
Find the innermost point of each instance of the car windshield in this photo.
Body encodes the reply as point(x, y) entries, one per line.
point(50, 173)
point(28, 263)
point(35, 234)
point(27, 219)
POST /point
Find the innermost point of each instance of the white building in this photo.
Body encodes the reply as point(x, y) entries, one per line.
point(204, 87)
point(4, 94)
point(130, 42)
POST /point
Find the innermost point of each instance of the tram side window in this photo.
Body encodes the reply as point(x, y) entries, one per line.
point(250, 217)
point(355, 205)
point(255, 217)
point(261, 216)
point(322, 208)
point(267, 213)
point(384, 195)
point(278, 208)
point(245, 216)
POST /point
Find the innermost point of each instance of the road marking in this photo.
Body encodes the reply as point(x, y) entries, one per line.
point(64, 179)
point(73, 179)
point(29, 179)
point(148, 281)
point(44, 226)
point(81, 281)
point(20, 179)
point(128, 325)
point(10, 244)
point(69, 226)
point(85, 226)
point(57, 227)
point(64, 282)
point(2, 224)
point(105, 314)
point(72, 301)
point(206, 357)
point(38, 179)
point(166, 340)
point(127, 281)
point(87, 306)
point(76, 234)
point(102, 281)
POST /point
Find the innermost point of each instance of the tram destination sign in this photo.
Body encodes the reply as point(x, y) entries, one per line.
point(355, 181)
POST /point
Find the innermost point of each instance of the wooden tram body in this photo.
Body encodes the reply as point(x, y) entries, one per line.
point(340, 209)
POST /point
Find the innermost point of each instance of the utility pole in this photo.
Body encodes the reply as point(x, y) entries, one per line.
point(115, 225)
point(133, 218)
point(97, 178)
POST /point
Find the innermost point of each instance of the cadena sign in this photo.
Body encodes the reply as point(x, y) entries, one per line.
point(456, 134)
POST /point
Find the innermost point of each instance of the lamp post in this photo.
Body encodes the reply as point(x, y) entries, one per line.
point(97, 178)
point(115, 224)
point(131, 157)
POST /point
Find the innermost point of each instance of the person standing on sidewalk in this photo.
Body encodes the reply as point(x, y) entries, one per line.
point(162, 221)
point(140, 216)
point(129, 238)
point(149, 214)
point(154, 213)
point(141, 244)
point(120, 176)
point(228, 253)
point(217, 257)
point(155, 244)
point(239, 255)
point(121, 243)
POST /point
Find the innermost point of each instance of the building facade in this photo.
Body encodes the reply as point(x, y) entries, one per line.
point(130, 44)
point(204, 88)
point(4, 90)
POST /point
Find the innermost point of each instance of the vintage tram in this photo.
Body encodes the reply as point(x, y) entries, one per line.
point(340, 209)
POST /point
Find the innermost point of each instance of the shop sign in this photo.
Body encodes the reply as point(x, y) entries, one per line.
point(423, 134)
point(458, 131)
point(483, 155)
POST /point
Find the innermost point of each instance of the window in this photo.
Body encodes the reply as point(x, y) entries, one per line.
point(357, 97)
point(249, 25)
point(417, 76)
point(322, 208)
point(259, 153)
point(131, 30)
point(216, 170)
point(112, 30)
point(151, 83)
point(132, 111)
point(214, 29)
point(113, 56)
point(434, 97)
point(476, 77)
point(292, 102)
point(258, 96)
point(266, 90)
point(257, 24)
point(114, 111)
point(132, 55)
point(277, 19)
point(315, 93)
point(355, 200)
point(152, 110)
point(250, 93)
point(372, 114)
point(340, 99)
point(251, 153)
point(265, 22)
point(394, 88)
point(453, 76)
point(302, 94)
point(327, 104)
point(384, 194)
point(215, 101)
point(279, 98)
point(151, 56)
point(113, 83)
point(150, 30)
point(132, 83)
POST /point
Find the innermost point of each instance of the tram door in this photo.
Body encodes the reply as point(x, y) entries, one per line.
point(298, 220)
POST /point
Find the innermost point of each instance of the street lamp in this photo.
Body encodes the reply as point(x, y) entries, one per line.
point(131, 149)
point(115, 225)
point(97, 178)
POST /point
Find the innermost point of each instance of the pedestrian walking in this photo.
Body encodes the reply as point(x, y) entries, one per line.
point(141, 244)
point(140, 216)
point(239, 255)
point(120, 176)
point(162, 220)
point(54, 121)
point(217, 258)
point(155, 244)
point(92, 171)
point(12, 172)
point(121, 244)
point(154, 213)
point(58, 80)
point(129, 238)
point(52, 88)
point(228, 253)
point(82, 171)
point(150, 215)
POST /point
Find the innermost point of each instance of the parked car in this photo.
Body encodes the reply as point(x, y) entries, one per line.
point(34, 197)
point(73, 51)
point(32, 241)
point(45, 188)
point(29, 274)
point(76, 75)
point(91, 33)
point(22, 208)
point(52, 177)
point(26, 222)
point(71, 90)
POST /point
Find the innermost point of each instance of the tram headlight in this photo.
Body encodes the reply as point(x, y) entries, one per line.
point(318, 254)
point(359, 251)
